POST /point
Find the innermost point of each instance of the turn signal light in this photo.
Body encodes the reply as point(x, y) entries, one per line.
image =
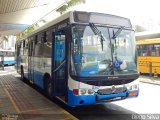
point(132, 94)
point(75, 91)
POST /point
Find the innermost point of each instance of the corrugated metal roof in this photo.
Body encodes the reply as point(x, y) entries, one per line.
point(16, 15)
point(8, 6)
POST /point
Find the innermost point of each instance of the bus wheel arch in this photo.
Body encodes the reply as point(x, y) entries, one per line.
point(48, 87)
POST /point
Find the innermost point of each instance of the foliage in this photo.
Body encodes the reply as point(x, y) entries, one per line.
point(71, 3)
point(30, 29)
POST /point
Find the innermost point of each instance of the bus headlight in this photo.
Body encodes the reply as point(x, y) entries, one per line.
point(90, 91)
point(82, 91)
point(134, 87)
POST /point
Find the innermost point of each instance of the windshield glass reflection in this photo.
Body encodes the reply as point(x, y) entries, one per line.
point(89, 59)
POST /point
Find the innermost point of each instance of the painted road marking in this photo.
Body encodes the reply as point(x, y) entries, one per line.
point(37, 109)
point(70, 116)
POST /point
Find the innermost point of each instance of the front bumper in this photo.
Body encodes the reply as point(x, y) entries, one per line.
point(76, 100)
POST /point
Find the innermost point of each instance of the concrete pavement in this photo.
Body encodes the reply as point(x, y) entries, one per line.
point(150, 80)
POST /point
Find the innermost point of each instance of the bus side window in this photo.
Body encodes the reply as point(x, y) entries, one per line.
point(157, 49)
point(42, 37)
point(21, 48)
point(5, 54)
point(18, 47)
point(48, 36)
point(26, 47)
point(39, 46)
point(48, 44)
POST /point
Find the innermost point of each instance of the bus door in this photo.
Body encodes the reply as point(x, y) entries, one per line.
point(31, 61)
point(59, 63)
point(18, 58)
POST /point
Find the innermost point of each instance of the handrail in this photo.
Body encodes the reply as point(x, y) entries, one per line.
point(59, 66)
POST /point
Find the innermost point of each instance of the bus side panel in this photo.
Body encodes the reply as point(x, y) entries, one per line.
point(42, 63)
point(149, 63)
point(38, 71)
point(41, 66)
point(24, 63)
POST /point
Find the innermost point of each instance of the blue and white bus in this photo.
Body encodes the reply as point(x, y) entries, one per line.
point(82, 58)
point(7, 57)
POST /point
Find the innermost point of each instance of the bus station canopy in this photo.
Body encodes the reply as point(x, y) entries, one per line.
point(17, 15)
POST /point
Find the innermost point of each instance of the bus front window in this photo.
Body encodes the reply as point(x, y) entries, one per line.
point(123, 51)
point(88, 57)
point(93, 57)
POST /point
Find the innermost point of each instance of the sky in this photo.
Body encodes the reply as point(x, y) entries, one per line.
point(141, 12)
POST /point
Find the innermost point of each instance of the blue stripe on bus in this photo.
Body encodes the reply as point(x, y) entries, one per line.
point(38, 78)
point(75, 100)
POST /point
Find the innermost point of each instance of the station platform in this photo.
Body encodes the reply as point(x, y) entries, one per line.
point(150, 80)
point(18, 101)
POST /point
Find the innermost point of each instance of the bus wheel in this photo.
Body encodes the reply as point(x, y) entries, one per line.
point(48, 85)
point(49, 89)
point(22, 73)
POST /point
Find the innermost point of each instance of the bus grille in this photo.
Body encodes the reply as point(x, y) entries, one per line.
point(111, 90)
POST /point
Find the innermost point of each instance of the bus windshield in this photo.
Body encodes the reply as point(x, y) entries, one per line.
point(89, 58)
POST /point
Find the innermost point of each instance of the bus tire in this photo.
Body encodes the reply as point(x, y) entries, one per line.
point(48, 87)
point(22, 73)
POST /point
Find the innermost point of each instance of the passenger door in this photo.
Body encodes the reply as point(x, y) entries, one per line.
point(59, 63)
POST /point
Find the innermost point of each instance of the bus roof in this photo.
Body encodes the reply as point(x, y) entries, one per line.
point(148, 41)
point(147, 35)
point(82, 18)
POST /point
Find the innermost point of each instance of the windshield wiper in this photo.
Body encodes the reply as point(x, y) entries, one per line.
point(117, 33)
point(97, 32)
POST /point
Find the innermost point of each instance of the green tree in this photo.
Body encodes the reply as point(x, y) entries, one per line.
point(71, 3)
point(30, 29)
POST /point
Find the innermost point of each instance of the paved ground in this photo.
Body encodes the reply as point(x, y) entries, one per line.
point(148, 100)
point(146, 103)
point(150, 80)
point(19, 100)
